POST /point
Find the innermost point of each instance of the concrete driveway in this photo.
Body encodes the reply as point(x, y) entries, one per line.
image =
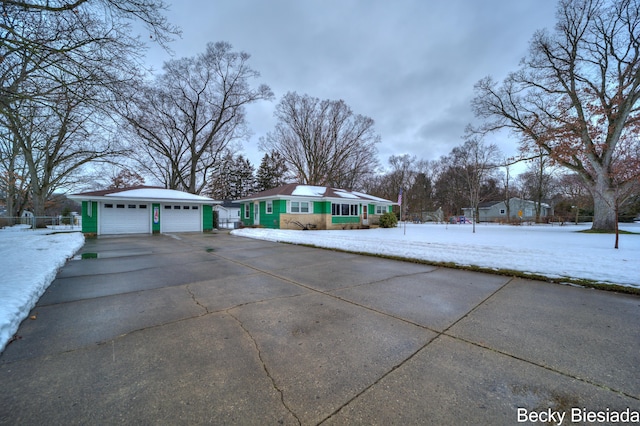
point(217, 329)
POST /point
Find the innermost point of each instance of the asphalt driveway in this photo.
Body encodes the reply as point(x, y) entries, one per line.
point(217, 329)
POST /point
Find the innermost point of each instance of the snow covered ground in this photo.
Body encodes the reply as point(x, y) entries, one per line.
point(29, 261)
point(551, 251)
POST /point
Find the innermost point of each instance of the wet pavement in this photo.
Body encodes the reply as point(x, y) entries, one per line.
point(217, 329)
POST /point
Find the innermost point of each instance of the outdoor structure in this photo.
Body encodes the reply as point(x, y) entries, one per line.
point(144, 210)
point(519, 209)
point(229, 214)
point(296, 206)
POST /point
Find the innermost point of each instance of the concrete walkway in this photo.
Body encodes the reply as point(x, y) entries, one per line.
point(217, 329)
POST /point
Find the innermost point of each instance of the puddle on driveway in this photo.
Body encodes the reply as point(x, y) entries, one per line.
point(110, 254)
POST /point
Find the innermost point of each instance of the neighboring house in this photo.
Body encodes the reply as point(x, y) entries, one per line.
point(296, 206)
point(144, 210)
point(229, 214)
point(519, 209)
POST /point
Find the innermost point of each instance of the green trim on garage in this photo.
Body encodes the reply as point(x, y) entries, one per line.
point(90, 217)
point(207, 218)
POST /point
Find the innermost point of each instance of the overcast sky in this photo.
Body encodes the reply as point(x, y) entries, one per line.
point(410, 65)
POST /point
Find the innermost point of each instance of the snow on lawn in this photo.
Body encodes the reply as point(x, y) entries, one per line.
point(551, 251)
point(29, 261)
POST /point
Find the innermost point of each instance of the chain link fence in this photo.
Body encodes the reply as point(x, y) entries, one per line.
point(34, 222)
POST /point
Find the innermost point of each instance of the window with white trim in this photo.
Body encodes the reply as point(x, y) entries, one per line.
point(380, 210)
point(300, 207)
point(269, 207)
point(344, 209)
point(246, 211)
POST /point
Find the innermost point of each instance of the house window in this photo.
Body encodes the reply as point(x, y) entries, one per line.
point(344, 209)
point(269, 207)
point(300, 207)
point(380, 210)
point(167, 207)
point(120, 206)
point(142, 206)
point(131, 206)
point(246, 211)
point(502, 211)
point(108, 206)
point(176, 207)
point(194, 207)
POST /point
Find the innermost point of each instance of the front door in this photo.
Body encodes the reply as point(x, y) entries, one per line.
point(365, 214)
point(256, 213)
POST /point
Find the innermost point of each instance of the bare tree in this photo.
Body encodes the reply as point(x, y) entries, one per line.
point(537, 181)
point(60, 64)
point(323, 142)
point(188, 116)
point(475, 161)
point(577, 97)
point(56, 139)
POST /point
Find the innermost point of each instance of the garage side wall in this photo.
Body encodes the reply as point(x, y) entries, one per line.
point(89, 217)
point(207, 218)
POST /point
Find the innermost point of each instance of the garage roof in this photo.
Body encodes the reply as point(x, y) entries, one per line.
point(144, 193)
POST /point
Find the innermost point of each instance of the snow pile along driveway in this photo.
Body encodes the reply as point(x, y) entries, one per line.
point(552, 251)
point(29, 261)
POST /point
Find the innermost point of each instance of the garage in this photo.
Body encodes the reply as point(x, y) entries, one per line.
point(180, 218)
point(144, 210)
point(124, 218)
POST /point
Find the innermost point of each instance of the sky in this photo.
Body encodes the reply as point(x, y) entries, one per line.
point(410, 65)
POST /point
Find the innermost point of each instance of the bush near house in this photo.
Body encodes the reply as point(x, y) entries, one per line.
point(388, 220)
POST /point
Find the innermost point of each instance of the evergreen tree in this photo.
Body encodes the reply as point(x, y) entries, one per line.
point(233, 178)
point(243, 181)
point(272, 172)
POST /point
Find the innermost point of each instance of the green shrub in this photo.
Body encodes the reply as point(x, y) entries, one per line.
point(388, 220)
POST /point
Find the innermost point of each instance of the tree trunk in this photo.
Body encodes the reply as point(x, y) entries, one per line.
point(604, 212)
point(38, 201)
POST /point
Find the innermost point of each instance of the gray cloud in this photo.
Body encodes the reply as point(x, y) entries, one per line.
point(408, 64)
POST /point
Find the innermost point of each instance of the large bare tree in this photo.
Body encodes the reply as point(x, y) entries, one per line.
point(577, 97)
point(56, 137)
point(323, 142)
point(60, 65)
point(186, 119)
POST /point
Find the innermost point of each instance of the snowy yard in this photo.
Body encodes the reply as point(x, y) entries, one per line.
point(29, 260)
point(551, 251)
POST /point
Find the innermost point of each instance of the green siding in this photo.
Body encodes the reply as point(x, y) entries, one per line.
point(90, 223)
point(207, 218)
point(245, 221)
point(271, 220)
point(322, 207)
point(155, 227)
point(345, 219)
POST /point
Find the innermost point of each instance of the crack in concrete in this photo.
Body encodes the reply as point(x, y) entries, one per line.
point(264, 366)
point(197, 302)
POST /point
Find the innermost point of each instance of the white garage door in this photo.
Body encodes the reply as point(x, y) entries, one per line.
point(124, 218)
point(180, 218)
